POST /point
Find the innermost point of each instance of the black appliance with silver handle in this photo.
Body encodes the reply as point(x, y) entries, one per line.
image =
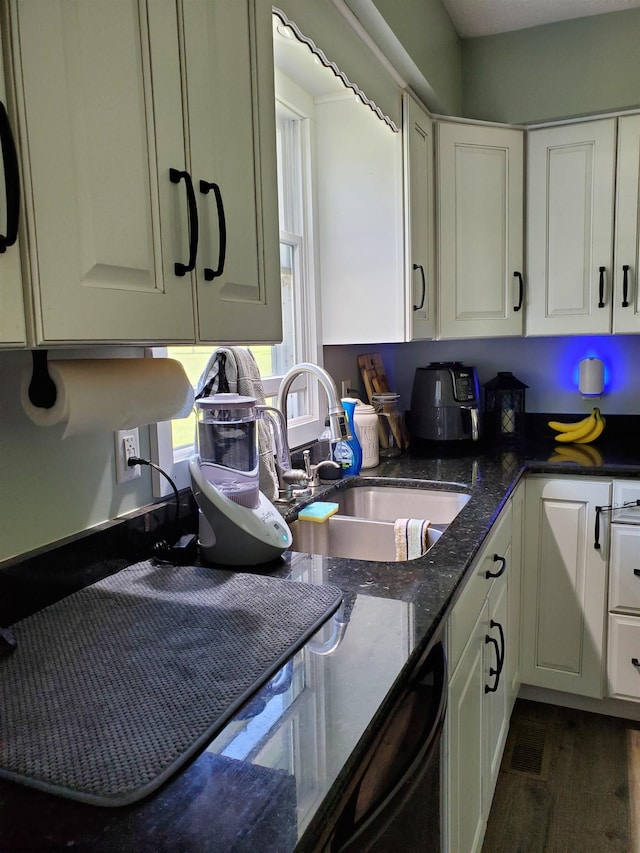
point(445, 403)
point(395, 804)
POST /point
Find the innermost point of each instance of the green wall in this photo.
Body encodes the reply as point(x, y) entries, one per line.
point(586, 65)
point(428, 36)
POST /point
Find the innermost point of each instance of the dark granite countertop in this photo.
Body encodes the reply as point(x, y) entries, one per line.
point(270, 780)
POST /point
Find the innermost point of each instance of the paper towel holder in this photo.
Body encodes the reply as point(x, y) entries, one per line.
point(42, 388)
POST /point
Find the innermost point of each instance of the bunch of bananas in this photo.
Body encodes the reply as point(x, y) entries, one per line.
point(574, 440)
point(581, 432)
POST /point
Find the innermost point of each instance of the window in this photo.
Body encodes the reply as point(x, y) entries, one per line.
point(174, 443)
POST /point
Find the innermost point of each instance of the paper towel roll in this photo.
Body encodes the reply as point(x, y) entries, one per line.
point(102, 395)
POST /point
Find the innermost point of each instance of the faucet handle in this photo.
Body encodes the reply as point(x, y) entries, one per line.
point(314, 472)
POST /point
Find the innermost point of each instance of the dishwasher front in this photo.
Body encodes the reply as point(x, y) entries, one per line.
point(396, 803)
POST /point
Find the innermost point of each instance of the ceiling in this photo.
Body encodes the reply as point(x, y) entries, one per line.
point(484, 17)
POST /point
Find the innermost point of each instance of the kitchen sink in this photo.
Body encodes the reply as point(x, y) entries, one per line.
point(363, 528)
point(350, 538)
point(388, 502)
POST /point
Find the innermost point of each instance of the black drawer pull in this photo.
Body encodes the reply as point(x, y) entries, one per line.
point(635, 662)
point(503, 565)
point(637, 572)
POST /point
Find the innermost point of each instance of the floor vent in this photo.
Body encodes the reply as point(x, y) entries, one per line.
point(525, 751)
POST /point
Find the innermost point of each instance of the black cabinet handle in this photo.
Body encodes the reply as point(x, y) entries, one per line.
point(424, 287)
point(11, 181)
point(635, 662)
point(518, 275)
point(503, 565)
point(500, 653)
point(637, 572)
point(494, 672)
point(175, 175)
point(601, 288)
point(625, 285)
point(210, 274)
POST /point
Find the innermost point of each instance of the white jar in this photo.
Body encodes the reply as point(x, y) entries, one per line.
point(366, 425)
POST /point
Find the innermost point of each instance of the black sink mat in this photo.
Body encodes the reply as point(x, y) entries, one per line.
point(113, 688)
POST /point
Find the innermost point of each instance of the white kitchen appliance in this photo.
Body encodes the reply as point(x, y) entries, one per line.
point(238, 525)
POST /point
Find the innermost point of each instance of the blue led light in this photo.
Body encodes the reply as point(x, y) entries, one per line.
point(575, 350)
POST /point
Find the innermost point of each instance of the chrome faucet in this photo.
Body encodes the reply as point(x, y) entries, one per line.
point(338, 426)
point(338, 423)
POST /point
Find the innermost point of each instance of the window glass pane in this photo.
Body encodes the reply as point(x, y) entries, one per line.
point(272, 360)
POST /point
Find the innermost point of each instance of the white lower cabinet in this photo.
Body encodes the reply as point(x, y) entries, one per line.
point(479, 699)
point(564, 585)
point(623, 660)
point(515, 593)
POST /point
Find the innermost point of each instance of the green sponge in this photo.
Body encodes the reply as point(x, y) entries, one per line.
point(318, 511)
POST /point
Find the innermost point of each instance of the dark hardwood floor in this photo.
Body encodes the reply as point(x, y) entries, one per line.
point(569, 781)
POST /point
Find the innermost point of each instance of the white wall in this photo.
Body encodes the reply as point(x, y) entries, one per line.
point(51, 487)
point(547, 365)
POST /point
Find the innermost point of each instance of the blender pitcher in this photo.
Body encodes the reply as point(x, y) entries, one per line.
point(228, 446)
point(238, 525)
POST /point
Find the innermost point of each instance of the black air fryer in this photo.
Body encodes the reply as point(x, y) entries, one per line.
point(445, 403)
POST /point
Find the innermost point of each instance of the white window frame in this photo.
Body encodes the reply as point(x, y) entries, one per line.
point(301, 430)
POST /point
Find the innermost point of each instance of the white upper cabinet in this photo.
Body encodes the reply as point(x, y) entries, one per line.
point(420, 221)
point(626, 293)
point(480, 230)
point(119, 123)
point(571, 181)
point(228, 54)
point(12, 330)
point(360, 224)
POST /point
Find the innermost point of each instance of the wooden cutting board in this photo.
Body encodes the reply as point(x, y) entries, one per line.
point(373, 374)
point(375, 382)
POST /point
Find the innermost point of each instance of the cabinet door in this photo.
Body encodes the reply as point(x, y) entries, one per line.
point(228, 56)
point(496, 697)
point(570, 228)
point(564, 586)
point(624, 569)
point(360, 224)
point(465, 739)
point(12, 330)
point(626, 294)
point(624, 657)
point(480, 230)
point(100, 109)
point(420, 230)
point(515, 587)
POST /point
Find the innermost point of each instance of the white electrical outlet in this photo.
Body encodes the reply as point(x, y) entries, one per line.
point(345, 388)
point(127, 444)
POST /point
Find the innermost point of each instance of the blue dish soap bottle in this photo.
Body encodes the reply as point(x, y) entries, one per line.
point(348, 454)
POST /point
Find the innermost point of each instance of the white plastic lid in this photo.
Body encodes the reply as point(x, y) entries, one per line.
point(226, 400)
point(363, 409)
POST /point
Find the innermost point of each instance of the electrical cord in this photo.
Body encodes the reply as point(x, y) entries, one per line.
point(184, 547)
